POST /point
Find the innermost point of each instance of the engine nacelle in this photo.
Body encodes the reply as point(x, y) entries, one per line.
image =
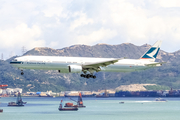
point(75, 68)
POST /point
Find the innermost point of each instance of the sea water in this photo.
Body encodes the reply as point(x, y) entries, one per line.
point(46, 108)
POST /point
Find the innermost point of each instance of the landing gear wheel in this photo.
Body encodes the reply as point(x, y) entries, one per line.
point(22, 73)
point(88, 76)
point(94, 77)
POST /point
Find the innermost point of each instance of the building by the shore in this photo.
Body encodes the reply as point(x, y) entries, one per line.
point(10, 91)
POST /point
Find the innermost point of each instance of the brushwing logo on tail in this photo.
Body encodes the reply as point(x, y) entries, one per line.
point(152, 53)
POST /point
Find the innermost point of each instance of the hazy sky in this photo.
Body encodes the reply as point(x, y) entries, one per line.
point(62, 23)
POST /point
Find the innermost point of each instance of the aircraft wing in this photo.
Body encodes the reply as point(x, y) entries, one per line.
point(100, 64)
point(155, 64)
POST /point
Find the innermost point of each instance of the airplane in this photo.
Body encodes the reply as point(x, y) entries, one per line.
point(87, 66)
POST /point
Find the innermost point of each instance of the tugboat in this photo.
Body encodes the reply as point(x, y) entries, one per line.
point(18, 103)
point(66, 109)
point(79, 102)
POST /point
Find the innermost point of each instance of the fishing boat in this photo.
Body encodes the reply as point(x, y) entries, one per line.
point(66, 109)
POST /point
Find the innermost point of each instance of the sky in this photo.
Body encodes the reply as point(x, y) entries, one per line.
point(63, 23)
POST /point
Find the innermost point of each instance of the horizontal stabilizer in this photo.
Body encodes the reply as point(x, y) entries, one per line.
point(155, 64)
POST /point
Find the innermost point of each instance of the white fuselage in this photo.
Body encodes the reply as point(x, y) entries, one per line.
point(62, 63)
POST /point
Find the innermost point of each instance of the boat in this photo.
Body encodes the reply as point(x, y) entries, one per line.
point(160, 100)
point(121, 102)
point(18, 103)
point(79, 102)
point(14, 104)
point(1, 110)
point(66, 109)
point(72, 105)
point(69, 105)
point(2, 87)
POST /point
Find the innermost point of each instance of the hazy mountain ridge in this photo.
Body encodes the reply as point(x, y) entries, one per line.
point(39, 80)
point(126, 50)
point(99, 50)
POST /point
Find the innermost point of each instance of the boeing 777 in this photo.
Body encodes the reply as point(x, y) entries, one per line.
point(87, 66)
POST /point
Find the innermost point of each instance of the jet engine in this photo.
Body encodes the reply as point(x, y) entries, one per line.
point(75, 68)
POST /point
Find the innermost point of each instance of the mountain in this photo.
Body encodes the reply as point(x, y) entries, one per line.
point(99, 50)
point(42, 80)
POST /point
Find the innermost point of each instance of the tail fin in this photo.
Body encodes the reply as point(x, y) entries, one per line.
point(151, 54)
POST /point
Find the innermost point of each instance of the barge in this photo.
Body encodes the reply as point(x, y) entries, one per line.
point(15, 104)
point(18, 103)
point(66, 109)
point(79, 103)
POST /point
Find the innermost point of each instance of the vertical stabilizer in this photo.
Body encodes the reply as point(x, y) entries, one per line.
point(151, 54)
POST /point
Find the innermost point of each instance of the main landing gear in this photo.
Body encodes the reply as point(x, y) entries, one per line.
point(88, 76)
